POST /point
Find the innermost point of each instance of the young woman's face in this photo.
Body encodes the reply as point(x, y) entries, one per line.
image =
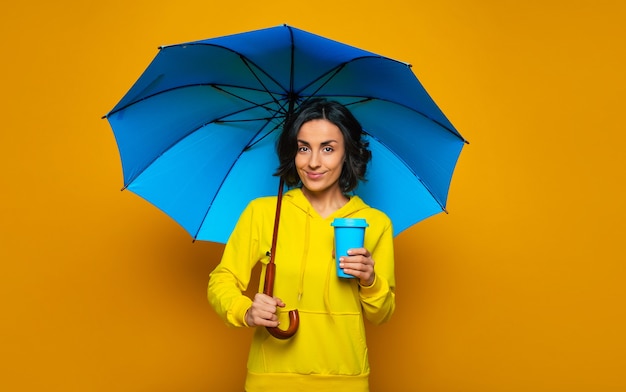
point(320, 156)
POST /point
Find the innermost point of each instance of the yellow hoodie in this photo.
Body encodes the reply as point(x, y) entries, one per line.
point(329, 352)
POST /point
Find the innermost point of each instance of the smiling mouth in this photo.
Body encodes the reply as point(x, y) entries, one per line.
point(314, 176)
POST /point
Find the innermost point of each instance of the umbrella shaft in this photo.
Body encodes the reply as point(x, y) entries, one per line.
point(268, 286)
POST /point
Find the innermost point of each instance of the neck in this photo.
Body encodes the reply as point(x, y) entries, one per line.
point(327, 202)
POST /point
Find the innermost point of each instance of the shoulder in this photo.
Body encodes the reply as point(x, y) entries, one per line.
point(373, 215)
point(263, 202)
point(378, 217)
point(256, 213)
point(261, 206)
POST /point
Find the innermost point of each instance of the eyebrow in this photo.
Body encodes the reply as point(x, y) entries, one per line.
point(324, 143)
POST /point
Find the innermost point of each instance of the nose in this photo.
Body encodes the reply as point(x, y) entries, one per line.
point(314, 160)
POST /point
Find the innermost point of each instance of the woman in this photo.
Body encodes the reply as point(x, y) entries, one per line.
point(322, 157)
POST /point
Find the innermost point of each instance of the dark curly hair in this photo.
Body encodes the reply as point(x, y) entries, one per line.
point(356, 147)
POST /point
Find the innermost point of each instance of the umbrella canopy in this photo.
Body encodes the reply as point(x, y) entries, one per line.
point(197, 131)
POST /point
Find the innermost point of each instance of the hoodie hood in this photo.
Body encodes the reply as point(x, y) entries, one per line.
point(353, 206)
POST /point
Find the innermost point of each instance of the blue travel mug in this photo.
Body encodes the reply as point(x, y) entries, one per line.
point(349, 234)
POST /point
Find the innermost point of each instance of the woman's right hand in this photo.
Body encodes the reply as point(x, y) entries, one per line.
point(263, 311)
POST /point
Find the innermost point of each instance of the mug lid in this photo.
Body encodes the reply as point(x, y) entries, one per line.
point(349, 222)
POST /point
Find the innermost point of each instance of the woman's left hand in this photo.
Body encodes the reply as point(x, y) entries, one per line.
point(360, 264)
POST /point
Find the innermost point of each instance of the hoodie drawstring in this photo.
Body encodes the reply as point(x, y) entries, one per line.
point(305, 253)
point(303, 261)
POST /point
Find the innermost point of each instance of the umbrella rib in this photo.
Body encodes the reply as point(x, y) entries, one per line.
point(255, 104)
point(332, 73)
point(214, 85)
point(291, 94)
point(248, 63)
point(279, 124)
point(365, 98)
point(408, 167)
point(247, 147)
point(204, 124)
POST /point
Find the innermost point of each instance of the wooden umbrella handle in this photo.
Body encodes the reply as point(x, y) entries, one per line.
point(270, 273)
point(294, 323)
point(294, 317)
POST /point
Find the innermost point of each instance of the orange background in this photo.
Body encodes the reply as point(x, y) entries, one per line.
point(521, 287)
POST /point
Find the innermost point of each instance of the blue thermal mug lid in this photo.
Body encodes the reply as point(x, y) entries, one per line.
point(349, 222)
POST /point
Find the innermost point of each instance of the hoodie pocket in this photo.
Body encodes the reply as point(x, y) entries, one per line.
point(322, 345)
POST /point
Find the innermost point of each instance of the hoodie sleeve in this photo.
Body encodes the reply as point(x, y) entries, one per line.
point(232, 275)
point(379, 299)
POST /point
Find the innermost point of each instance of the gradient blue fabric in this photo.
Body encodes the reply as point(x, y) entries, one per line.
point(197, 131)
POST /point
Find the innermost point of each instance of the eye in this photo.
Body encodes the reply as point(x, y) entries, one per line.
point(328, 149)
point(303, 149)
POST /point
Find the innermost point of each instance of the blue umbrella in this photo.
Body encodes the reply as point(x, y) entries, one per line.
point(196, 132)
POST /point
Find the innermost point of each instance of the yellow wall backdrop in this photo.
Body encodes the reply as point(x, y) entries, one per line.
point(521, 287)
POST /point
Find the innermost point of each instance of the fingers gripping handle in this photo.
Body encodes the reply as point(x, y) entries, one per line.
point(294, 322)
point(294, 318)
